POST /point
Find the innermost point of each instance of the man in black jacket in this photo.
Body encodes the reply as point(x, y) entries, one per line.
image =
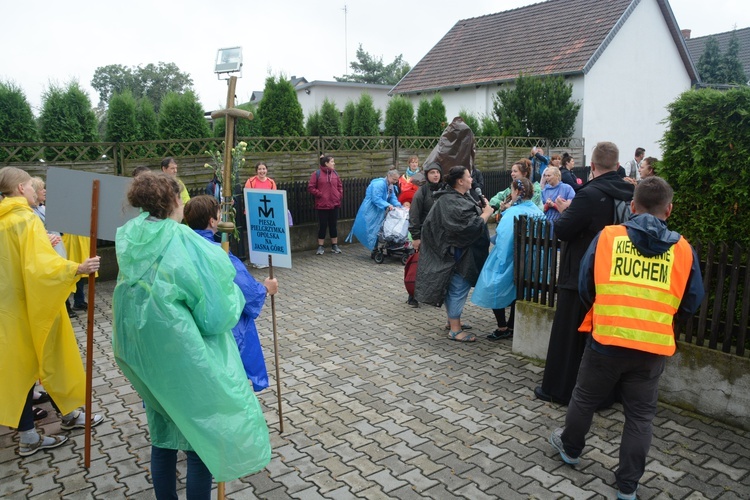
point(581, 220)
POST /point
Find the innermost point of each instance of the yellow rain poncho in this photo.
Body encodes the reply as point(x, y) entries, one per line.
point(36, 337)
point(77, 247)
point(174, 306)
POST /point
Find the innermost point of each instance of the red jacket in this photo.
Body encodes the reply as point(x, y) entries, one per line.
point(325, 185)
point(407, 190)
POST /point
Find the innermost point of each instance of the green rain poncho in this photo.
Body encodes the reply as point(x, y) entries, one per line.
point(174, 307)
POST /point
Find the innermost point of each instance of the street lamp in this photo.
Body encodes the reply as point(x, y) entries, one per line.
point(228, 61)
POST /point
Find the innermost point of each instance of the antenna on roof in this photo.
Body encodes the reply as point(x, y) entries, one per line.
point(346, 55)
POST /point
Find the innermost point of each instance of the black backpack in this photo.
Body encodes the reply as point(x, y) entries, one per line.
point(622, 211)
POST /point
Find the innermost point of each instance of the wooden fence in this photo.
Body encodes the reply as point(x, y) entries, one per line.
point(287, 158)
point(721, 323)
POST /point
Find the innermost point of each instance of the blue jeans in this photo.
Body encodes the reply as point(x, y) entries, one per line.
point(79, 297)
point(458, 290)
point(26, 422)
point(164, 475)
point(639, 379)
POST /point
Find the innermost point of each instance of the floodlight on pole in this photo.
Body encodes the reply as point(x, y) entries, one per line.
point(228, 61)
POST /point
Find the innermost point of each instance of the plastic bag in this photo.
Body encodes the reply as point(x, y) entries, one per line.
point(396, 225)
point(456, 147)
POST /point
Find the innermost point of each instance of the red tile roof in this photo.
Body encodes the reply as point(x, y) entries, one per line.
point(557, 37)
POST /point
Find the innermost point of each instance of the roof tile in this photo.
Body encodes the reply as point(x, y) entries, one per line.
point(553, 37)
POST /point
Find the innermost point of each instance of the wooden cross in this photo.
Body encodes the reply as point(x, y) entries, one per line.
point(226, 227)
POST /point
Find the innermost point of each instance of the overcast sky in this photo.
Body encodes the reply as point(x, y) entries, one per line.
point(46, 41)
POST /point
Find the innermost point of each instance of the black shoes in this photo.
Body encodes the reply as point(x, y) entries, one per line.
point(540, 394)
point(83, 306)
point(412, 302)
point(500, 335)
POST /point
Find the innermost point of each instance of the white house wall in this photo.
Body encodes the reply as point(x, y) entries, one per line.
point(340, 96)
point(627, 90)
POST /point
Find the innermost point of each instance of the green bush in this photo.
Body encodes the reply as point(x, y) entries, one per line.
point(313, 124)
point(366, 118)
point(242, 127)
point(148, 123)
point(330, 119)
point(706, 161)
point(399, 117)
point(16, 120)
point(181, 117)
point(347, 119)
point(122, 122)
point(67, 116)
point(280, 111)
point(431, 119)
point(489, 127)
point(470, 119)
point(726, 68)
point(537, 106)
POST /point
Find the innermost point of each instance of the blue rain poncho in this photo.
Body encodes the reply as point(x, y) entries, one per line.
point(495, 288)
point(245, 333)
point(174, 306)
point(371, 212)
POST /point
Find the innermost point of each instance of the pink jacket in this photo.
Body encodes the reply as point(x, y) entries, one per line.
point(325, 185)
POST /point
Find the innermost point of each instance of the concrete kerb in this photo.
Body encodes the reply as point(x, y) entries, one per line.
point(697, 379)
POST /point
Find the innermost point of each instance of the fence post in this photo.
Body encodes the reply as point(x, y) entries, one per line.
point(505, 152)
point(395, 151)
point(118, 158)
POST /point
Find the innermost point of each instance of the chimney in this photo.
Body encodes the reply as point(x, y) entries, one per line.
point(686, 34)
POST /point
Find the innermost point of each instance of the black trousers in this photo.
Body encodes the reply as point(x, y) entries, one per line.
point(638, 377)
point(328, 219)
point(566, 345)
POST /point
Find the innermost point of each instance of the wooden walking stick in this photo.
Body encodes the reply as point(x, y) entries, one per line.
point(93, 233)
point(275, 346)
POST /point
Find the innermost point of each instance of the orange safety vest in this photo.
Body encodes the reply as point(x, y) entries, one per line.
point(636, 296)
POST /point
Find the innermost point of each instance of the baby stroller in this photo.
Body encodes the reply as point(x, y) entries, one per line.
point(393, 237)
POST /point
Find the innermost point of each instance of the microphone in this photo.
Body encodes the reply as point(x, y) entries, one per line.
point(478, 192)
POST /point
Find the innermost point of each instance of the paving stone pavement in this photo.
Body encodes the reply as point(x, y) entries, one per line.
point(378, 403)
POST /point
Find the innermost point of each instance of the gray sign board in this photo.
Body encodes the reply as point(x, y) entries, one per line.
point(69, 202)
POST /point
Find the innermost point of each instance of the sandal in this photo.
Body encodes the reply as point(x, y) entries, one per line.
point(43, 397)
point(39, 413)
point(45, 442)
point(469, 337)
point(79, 421)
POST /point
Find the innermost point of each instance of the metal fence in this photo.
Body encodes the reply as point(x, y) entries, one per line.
point(721, 323)
point(301, 203)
